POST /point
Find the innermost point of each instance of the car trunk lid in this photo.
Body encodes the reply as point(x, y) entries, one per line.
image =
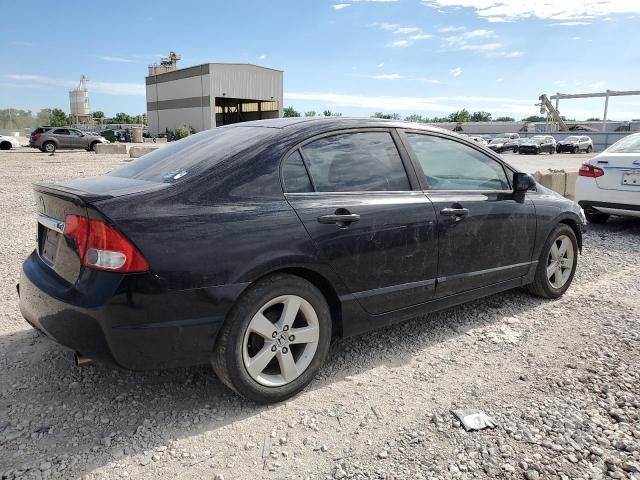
point(622, 171)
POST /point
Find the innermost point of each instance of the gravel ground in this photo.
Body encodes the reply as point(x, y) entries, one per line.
point(560, 378)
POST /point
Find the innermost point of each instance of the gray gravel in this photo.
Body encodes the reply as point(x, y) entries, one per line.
point(560, 378)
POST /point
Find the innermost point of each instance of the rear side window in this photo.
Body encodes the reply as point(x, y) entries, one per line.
point(294, 173)
point(194, 154)
point(61, 131)
point(352, 162)
point(630, 144)
point(449, 165)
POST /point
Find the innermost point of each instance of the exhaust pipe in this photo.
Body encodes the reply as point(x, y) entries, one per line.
point(80, 360)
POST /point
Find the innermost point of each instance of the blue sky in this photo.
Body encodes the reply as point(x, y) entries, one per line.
point(353, 56)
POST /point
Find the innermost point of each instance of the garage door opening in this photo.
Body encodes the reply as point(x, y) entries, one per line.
point(235, 110)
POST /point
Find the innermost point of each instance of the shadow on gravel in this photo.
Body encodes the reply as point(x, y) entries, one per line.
point(53, 408)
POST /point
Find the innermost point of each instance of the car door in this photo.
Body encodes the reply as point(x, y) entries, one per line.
point(353, 194)
point(485, 235)
point(63, 137)
point(76, 139)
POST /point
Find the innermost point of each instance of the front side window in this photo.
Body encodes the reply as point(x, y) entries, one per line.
point(353, 162)
point(75, 133)
point(449, 165)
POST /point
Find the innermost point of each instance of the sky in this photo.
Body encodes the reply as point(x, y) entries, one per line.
point(357, 57)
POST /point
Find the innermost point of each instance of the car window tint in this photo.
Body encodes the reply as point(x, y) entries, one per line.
point(449, 165)
point(294, 174)
point(352, 162)
point(61, 131)
point(75, 133)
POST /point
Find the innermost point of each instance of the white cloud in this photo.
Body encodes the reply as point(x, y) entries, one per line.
point(509, 10)
point(262, 57)
point(506, 54)
point(483, 47)
point(108, 58)
point(380, 65)
point(598, 85)
point(451, 29)
point(387, 76)
point(409, 34)
point(340, 6)
point(396, 29)
point(420, 36)
point(456, 72)
point(568, 24)
point(499, 80)
point(400, 43)
point(576, 38)
point(108, 88)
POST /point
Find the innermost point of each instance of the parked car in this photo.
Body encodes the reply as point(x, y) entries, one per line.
point(538, 144)
point(478, 139)
point(117, 135)
point(575, 144)
point(322, 229)
point(609, 183)
point(7, 142)
point(52, 138)
point(505, 142)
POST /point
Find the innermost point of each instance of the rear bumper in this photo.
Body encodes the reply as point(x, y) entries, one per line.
point(612, 208)
point(565, 148)
point(126, 320)
point(526, 149)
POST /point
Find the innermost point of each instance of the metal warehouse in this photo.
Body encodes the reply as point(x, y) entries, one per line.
point(210, 95)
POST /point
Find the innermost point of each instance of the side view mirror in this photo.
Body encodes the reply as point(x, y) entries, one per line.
point(523, 182)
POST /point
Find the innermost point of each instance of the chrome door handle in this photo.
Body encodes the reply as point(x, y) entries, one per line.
point(341, 220)
point(454, 212)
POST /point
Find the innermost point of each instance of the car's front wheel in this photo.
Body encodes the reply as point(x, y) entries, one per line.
point(557, 263)
point(589, 149)
point(274, 340)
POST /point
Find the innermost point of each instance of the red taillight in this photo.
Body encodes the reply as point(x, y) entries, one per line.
point(587, 170)
point(102, 247)
point(37, 136)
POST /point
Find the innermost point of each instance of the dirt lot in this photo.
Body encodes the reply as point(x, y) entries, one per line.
point(561, 378)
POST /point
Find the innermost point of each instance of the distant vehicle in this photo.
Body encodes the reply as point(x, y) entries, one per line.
point(609, 183)
point(7, 142)
point(505, 142)
point(479, 139)
point(575, 144)
point(117, 135)
point(538, 144)
point(52, 138)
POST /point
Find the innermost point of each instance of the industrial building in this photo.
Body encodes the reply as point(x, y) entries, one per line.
point(210, 95)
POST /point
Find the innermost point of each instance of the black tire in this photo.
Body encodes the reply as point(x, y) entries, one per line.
point(589, 149)
point(92, 147)
point(552, 150)
point(558, 150)
point(537, 151)
point(516, 149)
point(594, 216)
point(576, 150)
point(5, 146)
point(227, 355)
point(541, 285)
point(49, 147)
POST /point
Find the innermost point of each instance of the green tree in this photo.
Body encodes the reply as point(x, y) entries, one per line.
point(182, 133)
point(593, 119)
point(534, 118)
point(58, 118)
point(310, 113)
point(43, 117)
point(290, 112)
point(505, 119)
point(480, 117)
point(460, 116)
point(122, 117)
point(98, 114)
point(329, 113)
point(415, 118)
point(387, 116)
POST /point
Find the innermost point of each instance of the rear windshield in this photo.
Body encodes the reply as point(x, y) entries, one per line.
point(191, 155)
point(630, 144)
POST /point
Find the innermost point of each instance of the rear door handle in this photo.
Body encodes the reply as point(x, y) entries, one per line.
point(341, 220)
point(459, 213)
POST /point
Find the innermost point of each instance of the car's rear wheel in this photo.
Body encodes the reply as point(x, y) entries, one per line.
point(557, 263)
point(589, 149)
point(515, 149)
point(49, 147)
point(594, 216)
point(274, 340)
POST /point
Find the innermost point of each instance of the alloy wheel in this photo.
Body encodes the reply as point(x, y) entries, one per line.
point(281, 340)
point(560, 261)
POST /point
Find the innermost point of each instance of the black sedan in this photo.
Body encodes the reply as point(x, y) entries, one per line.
point(538, 144)
point(253, 246)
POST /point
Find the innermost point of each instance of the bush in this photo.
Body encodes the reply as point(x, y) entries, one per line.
point(181, 133)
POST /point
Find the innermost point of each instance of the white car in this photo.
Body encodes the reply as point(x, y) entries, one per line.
point(609, 183)
point(7, 142)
